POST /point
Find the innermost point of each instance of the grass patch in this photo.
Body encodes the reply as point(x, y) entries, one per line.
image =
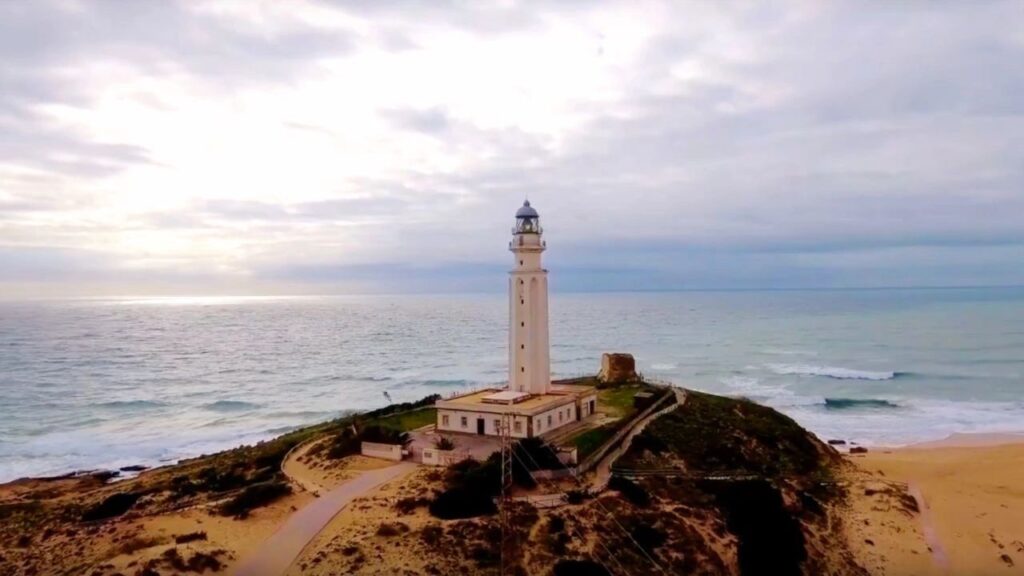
point(713, 434)
point(618, 402)
point(409, 420)
point(588, 442)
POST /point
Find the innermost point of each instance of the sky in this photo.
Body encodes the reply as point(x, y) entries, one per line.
point(247, 147)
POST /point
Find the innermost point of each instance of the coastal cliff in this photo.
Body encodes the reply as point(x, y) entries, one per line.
point(714, 486)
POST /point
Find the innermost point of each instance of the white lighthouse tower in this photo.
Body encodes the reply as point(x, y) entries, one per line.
point(531, 405)
point(529, 357)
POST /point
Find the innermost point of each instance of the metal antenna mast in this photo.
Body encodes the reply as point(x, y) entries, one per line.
point(508, 548)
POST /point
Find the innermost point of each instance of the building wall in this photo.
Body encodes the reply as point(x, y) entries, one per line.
point(521, 425)
point(386, 451)
point(436, 457)
point(554, 419)
point(491, 423)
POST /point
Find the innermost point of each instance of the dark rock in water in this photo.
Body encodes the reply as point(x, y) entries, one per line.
point(832, 442)
point(858, 450)
point(113, 506)
point(134, 468)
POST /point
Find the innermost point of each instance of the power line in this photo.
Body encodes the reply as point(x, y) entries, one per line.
point(610, 514)
point(578, 533)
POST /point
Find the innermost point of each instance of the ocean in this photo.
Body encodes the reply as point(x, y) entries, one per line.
point(101, 383)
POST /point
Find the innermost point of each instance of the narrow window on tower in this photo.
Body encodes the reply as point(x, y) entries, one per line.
point(520, 262)
point(522, 368)
point(522, 346)
point(522, 324)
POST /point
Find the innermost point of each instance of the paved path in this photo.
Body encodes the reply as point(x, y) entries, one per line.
point(278, 552)
point(603, 470)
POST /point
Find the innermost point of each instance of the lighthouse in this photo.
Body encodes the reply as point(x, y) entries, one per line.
point(530, 405)
point(529, 359)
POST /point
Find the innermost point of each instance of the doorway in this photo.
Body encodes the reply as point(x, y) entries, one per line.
point(479, 425)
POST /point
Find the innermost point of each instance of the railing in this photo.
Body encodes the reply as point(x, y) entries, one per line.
point(621, 433)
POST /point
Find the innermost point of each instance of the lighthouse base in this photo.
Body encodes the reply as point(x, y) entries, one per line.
point(481, 412)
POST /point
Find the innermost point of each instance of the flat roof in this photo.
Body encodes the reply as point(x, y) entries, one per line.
point(477, 401)
point(506, 397)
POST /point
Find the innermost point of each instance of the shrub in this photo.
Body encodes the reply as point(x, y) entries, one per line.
point(580, 568)
point(444, 443)
point(537, 454)
point(576, 496)
point(462, 502)
point(190, 537)
point(409, 505)
point(556, 524)
point(111, 507)
point(253, 497)
point(648, 537)
point(384, 435)
point(630, 491)
point(431, 535)
point(388, 529)
point(770, 539)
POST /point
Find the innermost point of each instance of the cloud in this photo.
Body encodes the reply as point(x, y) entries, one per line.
point(334, 145)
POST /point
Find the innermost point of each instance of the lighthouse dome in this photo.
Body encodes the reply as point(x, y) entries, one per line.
point(526, 211)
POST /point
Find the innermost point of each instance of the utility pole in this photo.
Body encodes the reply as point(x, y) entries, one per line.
point(508, 544)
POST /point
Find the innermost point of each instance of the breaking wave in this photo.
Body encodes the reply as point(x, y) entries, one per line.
point(230, 406)
point(833, 372)
point(848, 403)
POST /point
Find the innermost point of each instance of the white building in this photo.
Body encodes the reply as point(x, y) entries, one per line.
point(532, 403)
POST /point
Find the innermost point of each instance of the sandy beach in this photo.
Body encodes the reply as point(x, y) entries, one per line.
point(970, 489)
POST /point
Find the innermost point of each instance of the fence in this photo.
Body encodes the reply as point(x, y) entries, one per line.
point(591, 460)
point(437, 457)
point(385, 451)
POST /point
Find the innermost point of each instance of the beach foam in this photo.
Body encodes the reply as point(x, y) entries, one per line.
point(832, 372)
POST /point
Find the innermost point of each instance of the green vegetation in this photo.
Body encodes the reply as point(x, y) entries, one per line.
point(618, 401)
point(407, 421)
point(588, 442)
point(253, 497)
point(717, 435)
point(112, 506)
point(471, 486)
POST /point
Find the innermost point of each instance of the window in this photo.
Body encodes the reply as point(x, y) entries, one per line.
point(520, 262)
point(536, 423)
point(497, 424)
point(518, 426)
point(522, 346)
point(465, 422)
point(444, 420)
point(522, 368)
point(520, 282)
point(521, 301)
point(549, 420)
point(522, 324)
point(560, 415)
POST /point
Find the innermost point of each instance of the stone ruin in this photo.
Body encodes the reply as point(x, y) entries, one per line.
point(617, 367)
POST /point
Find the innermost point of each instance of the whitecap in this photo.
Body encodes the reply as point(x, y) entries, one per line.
point(838, 373)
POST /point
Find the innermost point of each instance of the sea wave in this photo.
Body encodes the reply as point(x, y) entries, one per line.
point(131, 404)
point(663, 367)
point(838, 373)
point(230, 406)
point(852, 403)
